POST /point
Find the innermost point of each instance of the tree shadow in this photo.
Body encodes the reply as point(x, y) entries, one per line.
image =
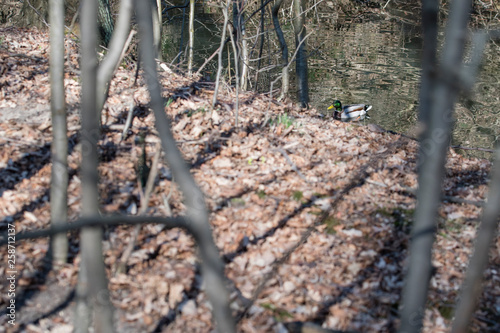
point(29, 165)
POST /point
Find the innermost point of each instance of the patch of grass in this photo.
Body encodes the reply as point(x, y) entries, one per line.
point(297, 195)
point(237, 202)
point(331, 222)
point(384, 212)
point(190, 113)
point(284, 119)
point(454, 225)
point(403, 218)
point(446, 310)
point(170, 100)
point(279, 314)
point(261, 194)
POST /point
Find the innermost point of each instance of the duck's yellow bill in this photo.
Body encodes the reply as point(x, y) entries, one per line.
point(331, 107)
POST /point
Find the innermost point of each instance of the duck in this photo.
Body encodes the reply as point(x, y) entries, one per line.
point(350, 112)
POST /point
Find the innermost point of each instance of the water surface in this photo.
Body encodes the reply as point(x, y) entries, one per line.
point(373, 60)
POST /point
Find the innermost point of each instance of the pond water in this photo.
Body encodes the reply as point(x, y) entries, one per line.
point(374, 60)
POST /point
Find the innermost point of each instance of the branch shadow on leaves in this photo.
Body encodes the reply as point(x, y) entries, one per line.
point(193, 293)
point(358, 180)
point(45, 265)
point(29, 165)
point(55, 309)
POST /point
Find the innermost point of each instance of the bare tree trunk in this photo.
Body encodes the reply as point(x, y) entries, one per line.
point(105, 22)
point(471, 289)
point(34, 13)
point(430, 12)
point(301, 61)
point(191, 36)
point(118, 41)
point(244, 60)
point(240, 41)
point(284, 49)
point(212, 266)
point(92, 289)
point(221, 49)
point(432, 159)
point(157, 26)
point(262, 38)
point(236, 72)
point(59, 148)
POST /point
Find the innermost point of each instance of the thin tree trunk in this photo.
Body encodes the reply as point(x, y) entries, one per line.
point(430, 12)
point(191, 36)
point(284, 49)
point(244, 62)
point(301, 61)
point(92, 289)
point(105, 22)
point(432, 159)
point(157, 26)
point(244, 49)
point(160, 32)
point(182, 33)
point(118, 41)
point(240, 41)
point(471, 290)
point(221, 49)
point(59, 148)
point(236, 76)
point(212, 266)
point(262, 38)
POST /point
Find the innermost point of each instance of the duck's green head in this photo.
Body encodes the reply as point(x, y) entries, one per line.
point(336, 105)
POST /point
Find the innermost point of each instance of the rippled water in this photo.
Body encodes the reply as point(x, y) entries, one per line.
point(374, 61)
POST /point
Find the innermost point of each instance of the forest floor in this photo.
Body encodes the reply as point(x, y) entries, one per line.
point(266, 187)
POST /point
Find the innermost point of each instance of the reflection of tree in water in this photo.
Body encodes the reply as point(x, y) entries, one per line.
point(360, 60)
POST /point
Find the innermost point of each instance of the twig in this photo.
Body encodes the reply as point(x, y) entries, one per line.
point(207, 61)
point(450, 198)
point(294, 167)
point(19, 142)
point(125, 47)
point(37, 13)
point(474, 148)
point(129, 119)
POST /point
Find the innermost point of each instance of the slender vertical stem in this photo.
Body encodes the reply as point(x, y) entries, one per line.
point(471, 289)
point(191, 36)
point(212, 266)
point(59, 149)
point(236, 77)
point(221, 49)
point(432, 158)
point(92, 289)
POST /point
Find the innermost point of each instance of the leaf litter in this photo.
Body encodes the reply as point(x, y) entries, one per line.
point(312, 220)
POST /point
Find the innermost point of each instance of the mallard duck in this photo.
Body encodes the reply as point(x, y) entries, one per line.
point(350, 112)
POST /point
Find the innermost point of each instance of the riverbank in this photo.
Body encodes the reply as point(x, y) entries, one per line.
point(266, 187)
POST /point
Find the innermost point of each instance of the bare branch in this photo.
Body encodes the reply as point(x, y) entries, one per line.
point(212, 266)
point(169, 222)
point(471, 288)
